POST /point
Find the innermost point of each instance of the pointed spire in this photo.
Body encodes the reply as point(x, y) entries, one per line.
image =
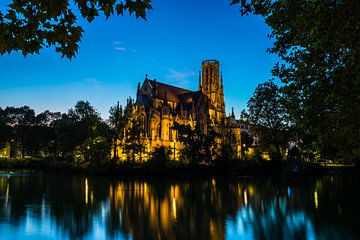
point(232, 113)
point(199, 80)
point(146, 76)
point(138, 89)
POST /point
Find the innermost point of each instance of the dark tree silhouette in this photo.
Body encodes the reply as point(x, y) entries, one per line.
point(197, 146)
point(134, 132)
point(28, 26)
point(22, 119)
point(117, 122)
point(318, 44)
point(26, 133)
point(269, 118)
point(160, 157)
point(6, 132)
point(81, 134)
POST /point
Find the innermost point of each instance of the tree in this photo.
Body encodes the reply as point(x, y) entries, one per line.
point(224, 156)
point(22, 120)
point(6, 131)
point(246, 141)
point(269, 118)
point(28, 26)
point(160, 157)
point(246, 136)
point(44, 132)
point(38, 134)
point(82, 135)
point(133, 138)
point(318, 44)
point(19, 127)
point(197, 146)
point(117, 122)
point(96, 148)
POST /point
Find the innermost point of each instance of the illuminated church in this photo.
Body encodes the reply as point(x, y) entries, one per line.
point(159, 106)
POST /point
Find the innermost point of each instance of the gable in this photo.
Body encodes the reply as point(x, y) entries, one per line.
point(146, 88)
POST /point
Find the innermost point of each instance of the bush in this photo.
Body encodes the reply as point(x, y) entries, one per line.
point(160, 158)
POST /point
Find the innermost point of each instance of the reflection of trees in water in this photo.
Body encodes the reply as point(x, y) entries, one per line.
point(204, 209)
point(304, 209)
point(60, 200)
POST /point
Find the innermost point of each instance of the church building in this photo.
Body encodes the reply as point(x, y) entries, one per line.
point(160, 105)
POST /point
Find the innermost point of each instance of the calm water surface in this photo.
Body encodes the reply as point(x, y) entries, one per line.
point(42, 206)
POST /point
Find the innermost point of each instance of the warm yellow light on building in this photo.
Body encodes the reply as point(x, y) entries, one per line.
point(265, 156)
point(174, 149)
point(169, 105)
point(250, 152)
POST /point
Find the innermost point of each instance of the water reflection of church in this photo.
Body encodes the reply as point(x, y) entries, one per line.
point(158, 106)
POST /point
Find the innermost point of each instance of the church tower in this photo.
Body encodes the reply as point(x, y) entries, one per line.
point(211, 84)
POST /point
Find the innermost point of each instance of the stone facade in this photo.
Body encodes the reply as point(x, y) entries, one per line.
point(159, 106)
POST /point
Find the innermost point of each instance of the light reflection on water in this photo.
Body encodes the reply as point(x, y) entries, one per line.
point(41, 206)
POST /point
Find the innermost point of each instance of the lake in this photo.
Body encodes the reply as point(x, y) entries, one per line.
point(35, 205)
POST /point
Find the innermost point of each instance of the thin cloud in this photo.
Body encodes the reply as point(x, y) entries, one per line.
point(118, 46)
point(132, 50)
point(182, 78)
point(121, 49)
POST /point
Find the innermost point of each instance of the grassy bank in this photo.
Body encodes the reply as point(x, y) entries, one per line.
point(27, 163)
point(171, 169)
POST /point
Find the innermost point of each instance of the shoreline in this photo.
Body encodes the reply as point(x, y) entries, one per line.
point(240, 168)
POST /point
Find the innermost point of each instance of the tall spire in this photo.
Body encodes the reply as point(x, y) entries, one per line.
point(138, 91)
point(199, 80)
point(232, 112)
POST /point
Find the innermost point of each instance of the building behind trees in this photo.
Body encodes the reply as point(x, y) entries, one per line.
point(159, 109)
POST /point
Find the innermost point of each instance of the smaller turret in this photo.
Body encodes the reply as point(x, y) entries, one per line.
point(138, 90)
point(199, 87)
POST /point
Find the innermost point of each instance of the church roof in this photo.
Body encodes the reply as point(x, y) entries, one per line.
point(195, 97)
point(172, 93)
point(175, 94)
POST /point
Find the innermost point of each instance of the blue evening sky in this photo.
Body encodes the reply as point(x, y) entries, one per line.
point(116, 54)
